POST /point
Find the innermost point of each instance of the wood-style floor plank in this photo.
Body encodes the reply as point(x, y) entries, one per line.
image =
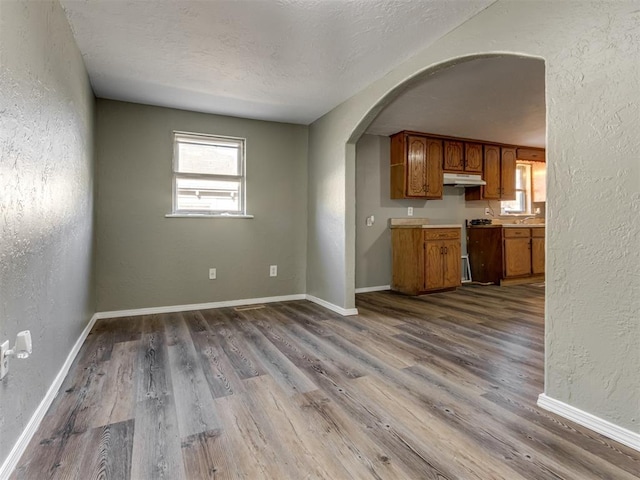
point(442, 386)
point(191, 393)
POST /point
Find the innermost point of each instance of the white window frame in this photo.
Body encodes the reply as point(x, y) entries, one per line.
point(528, 191)
point(241, 177)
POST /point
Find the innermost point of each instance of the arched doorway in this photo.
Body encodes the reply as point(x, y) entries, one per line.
point(499, 98)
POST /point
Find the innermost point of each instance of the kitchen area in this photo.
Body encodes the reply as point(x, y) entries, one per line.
point(451, 181)
point(469, 210)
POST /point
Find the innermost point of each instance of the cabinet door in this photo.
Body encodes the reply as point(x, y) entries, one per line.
point(434, 168)
point(508, 174)
point(416, 166)
point(453, 156)
point(473, 157)
point(537, 255)
point(517, 257)
point(434, 265)
point(492, 172)
point(452, 264)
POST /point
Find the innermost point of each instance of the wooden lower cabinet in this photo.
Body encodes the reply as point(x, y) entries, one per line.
point(506, 255)
point(442, 264)
point(425, 259)
point(517, 252)
point(537, 251)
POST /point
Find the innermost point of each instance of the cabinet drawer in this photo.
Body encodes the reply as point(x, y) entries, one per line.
point(441, 233)
point(537, 232)
point(516, 232)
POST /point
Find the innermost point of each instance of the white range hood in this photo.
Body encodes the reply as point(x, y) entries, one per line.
point(463, 180)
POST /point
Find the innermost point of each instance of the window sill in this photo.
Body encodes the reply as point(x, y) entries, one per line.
point(203, 215)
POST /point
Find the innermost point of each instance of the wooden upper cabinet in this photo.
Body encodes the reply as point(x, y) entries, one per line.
point(473, 157)
point(499, 173)
point(416, 166)
point(434, 173)
point(508, 174)
point(418, 161)
point(491, 191)
point(532, 154)
point(453, 156)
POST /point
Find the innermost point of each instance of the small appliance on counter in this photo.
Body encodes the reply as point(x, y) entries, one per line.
point(478, 221)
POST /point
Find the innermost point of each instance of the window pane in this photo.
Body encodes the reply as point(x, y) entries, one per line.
point(208, 195)
point(521, 173)
point(208, 158)
point(515, 206)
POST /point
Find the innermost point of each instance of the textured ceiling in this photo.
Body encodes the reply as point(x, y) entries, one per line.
point(499, 99)
point(283, 60)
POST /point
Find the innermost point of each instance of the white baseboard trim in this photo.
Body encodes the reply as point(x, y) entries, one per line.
point(379, 288)
point(597, 424)
point(27, 434)
point(199, 306)
point(345, 312)
point(228, 303)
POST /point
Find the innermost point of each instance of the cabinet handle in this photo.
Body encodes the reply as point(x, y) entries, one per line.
point(441, 250)
point(446, 250)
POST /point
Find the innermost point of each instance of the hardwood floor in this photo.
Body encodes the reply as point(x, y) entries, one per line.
point(437, 387)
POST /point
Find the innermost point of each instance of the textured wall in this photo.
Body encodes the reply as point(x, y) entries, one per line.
point(326, 268)
point(46, 201)
point(591, 52)
point(147, 260)
point(373, 244)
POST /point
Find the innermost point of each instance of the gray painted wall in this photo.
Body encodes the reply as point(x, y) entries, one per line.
point(593, 204)
point(373, 244)
point(147, 260)
point(46, 209)
point(326, 222)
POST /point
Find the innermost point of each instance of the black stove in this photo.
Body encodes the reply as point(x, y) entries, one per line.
point(480, 221)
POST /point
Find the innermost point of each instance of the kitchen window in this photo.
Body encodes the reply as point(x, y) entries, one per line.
point(208, 175)
point(522, 204)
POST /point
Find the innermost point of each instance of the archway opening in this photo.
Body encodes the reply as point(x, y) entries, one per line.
point(493, 98)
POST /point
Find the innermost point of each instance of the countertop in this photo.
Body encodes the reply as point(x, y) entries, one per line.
point(427, 226)
point(511, 225)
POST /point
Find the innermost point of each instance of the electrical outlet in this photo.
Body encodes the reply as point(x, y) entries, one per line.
point(212, 274)
point(487, 211)
point(410, 211)
point(273, 270)
point(4, 360)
